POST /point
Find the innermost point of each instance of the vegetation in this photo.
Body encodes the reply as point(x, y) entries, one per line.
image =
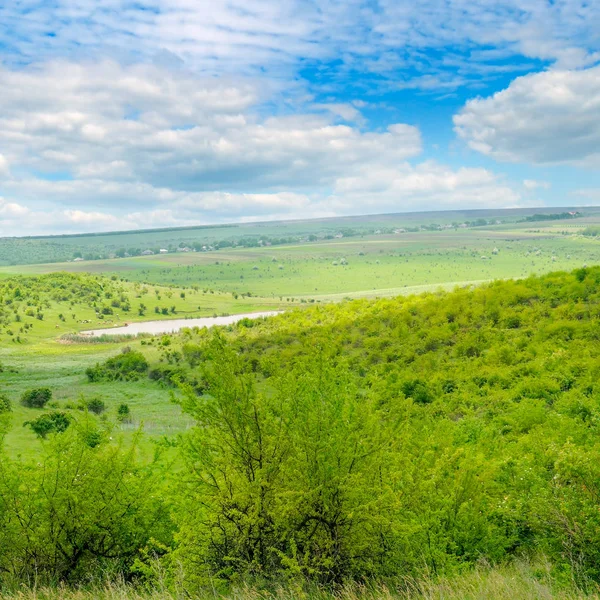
point(389, 441)
point(36, 398)
point(51, 422)
point(178, 241)
point(128, 365)
point(433, 446)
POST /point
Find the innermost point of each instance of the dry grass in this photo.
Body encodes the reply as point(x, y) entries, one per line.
point(519, 581)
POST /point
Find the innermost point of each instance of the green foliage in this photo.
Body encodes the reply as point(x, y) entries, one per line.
point(369, 440)
point(477, 411)
point(5, 404)
point(79, 513)
point(95, 405)
point(124, 413)
point(52, 422)
point(36, 398)
point(128, 366)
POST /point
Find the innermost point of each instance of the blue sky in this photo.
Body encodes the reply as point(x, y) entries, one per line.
point(118, 114)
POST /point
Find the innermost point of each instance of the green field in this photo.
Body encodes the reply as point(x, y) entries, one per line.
point(366, 264)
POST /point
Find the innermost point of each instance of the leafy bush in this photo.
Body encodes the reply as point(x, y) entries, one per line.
point(5, 404)
point(52, 422)
point(36, 398)
point(95, 405)
point(124, 413)
point(79, 513)
point(127, 366)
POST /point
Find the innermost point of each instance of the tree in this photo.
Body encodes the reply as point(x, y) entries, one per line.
point(53, 422)
point(286, 481)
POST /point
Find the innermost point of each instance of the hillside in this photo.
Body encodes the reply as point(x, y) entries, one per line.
point(369, 439)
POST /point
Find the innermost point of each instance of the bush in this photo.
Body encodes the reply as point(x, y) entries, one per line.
point(95, 405)
point(36, 398)
point(5, 404)
point(127, 366)
point(123, 413)
point(81, 512)
point(54, 422)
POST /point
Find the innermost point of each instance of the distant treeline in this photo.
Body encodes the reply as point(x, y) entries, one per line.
point(552, 217)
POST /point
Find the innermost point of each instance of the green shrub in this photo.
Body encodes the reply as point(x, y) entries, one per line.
point(5, 404)
point(52, 422)
point(82, 512)
point(36, 398)
point(127, 366)
point(95, 405)
point(124, 413)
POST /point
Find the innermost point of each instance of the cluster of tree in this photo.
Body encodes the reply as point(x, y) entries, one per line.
point(366, 440)
point(551, 216)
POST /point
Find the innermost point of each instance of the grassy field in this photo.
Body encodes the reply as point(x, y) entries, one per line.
point(19, 251)
point(364, 265)
point(34, 353)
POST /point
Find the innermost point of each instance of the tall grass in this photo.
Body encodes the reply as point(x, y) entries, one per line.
point(519, 581)
point(105, 338)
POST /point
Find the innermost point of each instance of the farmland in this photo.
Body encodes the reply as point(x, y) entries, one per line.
point(362, 264)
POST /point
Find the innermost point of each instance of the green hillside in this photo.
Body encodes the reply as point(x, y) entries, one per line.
point(372, 440)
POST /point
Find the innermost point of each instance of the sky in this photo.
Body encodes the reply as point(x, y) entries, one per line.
point(118, 114)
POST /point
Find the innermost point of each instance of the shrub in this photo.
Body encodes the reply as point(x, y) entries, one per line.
point(5, 404)
point(127, 366)
point(36, 398)
point(123, 413)
point(54, 422)
point(82, 511)
point(95, 405)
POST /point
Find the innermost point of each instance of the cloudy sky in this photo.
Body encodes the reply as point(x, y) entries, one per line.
point(118, 114)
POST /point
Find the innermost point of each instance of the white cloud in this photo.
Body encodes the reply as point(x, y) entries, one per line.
point(532, 184)
point(4, 169)
point(389, 37)
point(544, 118)
point(100, 146)
point(428, 184)
point(9, 210)
point(149, 125)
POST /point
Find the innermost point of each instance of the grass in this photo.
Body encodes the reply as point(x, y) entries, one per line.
point(521, 580)
point(51, 354)
point(62, 369)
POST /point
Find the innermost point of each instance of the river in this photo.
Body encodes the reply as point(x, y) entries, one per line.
point(172, 325)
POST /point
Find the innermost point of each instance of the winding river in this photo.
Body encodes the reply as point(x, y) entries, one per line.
point(172, 325)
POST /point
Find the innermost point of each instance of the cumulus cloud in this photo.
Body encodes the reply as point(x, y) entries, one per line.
point(101, 146)
point(143, 123)
point(9, 210)
point(427, 184)
point(551, 117)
